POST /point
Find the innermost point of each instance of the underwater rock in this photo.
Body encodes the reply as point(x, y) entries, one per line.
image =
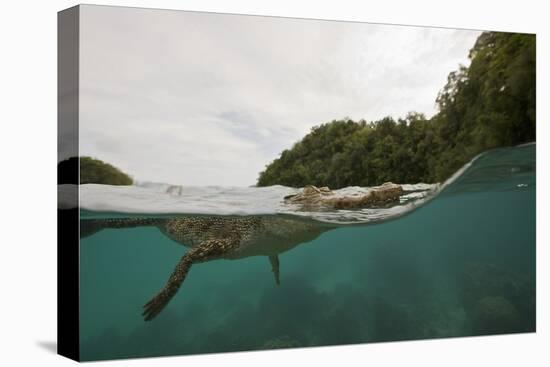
point(498, 300)
point(496, 315)
point(482, 280)
point(281, 343)
point(323, 197)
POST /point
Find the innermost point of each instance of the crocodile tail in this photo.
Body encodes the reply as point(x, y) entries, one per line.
point(89, 227)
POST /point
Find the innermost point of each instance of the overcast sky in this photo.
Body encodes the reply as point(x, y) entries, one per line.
point(210, 99)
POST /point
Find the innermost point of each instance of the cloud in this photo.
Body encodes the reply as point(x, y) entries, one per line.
point(210, 99)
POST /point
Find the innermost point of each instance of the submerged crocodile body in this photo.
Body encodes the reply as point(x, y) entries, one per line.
point(211, 238)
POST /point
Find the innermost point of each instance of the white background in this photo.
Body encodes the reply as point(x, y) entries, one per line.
point(28, 143)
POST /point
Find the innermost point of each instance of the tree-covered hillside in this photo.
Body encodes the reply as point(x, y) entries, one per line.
point(91, 171)
point(98, 172)
point(489, 104)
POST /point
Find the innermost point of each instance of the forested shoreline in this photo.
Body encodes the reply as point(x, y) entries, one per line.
point(96, 171)
point(489, 104)
point(91, 170)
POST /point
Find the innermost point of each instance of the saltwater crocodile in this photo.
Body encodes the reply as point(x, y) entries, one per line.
point(311, 197)
point(214, 237)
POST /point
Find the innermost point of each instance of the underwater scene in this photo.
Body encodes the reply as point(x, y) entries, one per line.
point(170, 270)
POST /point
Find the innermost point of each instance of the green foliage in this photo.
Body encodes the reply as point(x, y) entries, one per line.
point(489, 104)
point(98, 172)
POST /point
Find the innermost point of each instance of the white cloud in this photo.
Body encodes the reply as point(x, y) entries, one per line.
point(210, 99)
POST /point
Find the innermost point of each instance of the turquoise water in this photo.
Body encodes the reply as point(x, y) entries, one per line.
point(461, 265)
